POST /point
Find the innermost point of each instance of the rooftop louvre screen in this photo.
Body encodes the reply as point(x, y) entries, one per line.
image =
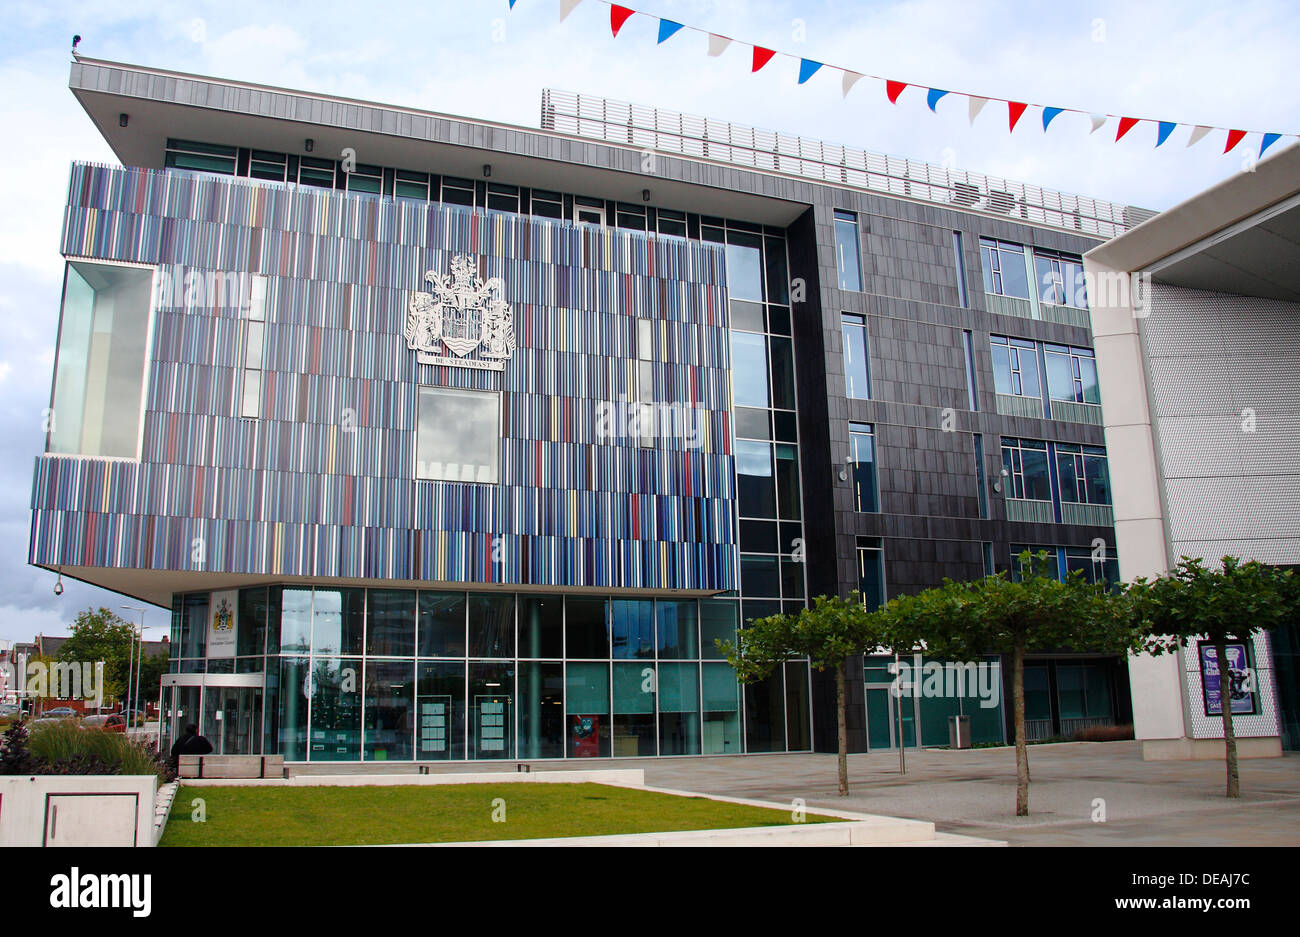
point(598, 118)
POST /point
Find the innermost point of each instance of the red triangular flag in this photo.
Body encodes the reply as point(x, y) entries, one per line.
point(1234, 137)
point(618, 16)
point(893, 89)
point(1125, 125)
point(762, 57)
point(1014, 110)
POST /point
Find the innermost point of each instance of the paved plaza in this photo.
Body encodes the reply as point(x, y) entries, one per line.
point(1147, 803)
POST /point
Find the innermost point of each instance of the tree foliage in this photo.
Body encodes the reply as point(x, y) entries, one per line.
point(830, 633)
point(102, 635)
point(1036, 612)
point(1231, 603)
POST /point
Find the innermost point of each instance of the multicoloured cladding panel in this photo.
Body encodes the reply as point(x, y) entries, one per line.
point(323, 483)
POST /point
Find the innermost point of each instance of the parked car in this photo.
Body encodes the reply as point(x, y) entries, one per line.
point(10, 710)
point(43, 721)
point(62, 712)
point(110, 722)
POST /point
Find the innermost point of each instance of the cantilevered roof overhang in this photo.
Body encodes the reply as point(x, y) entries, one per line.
point(1241, 236)
point(159, 104)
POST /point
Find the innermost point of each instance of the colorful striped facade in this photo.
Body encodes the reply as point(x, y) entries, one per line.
point(322, 483)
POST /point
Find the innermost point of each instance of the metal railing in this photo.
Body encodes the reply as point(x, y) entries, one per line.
point(654, 129)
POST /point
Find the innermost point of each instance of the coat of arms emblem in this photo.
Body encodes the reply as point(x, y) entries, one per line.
point(223, 619)
point(460, 313)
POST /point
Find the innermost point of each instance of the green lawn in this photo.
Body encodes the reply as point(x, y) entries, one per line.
point(362, 816)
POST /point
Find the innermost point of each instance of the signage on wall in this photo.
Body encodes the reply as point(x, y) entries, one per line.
point(1241, 687)
point(461, 313)
point(223, 623)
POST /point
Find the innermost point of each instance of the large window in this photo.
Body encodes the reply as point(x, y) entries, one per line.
point(1005, 272)
point(846, 250)
point(1025, 462)
point(203, 157)
point(459, 435)
point(755, 479)
point(1015, 366)
point(1084, 474)
point(857, 372)
point(745, 266)
point(749, 369)
point(1072, 374)
point(862, 458)
point(100, 370)
point(1060, 279)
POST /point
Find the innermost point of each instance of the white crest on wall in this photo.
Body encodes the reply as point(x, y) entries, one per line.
point(460, 313)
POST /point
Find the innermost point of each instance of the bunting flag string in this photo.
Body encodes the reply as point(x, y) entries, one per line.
point(619, 14)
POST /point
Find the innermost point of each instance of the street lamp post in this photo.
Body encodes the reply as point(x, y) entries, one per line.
point(134, 694)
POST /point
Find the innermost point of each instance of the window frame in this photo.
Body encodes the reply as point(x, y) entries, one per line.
point(1016, 467)
point(420, 389)
point(150, 328)
point(857, 321)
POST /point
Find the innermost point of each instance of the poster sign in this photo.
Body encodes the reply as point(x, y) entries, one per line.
point(223, 623)
point(584, 731)
point(1241, 689)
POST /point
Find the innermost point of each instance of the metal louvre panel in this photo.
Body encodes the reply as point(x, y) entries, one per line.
point(672, 132)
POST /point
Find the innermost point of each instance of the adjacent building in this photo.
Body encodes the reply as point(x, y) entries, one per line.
point(1197, 324)
point(446, 439)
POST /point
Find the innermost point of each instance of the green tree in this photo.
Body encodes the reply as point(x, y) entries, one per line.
point(962, 621)
point(1221, 605)
point(828, 634)
point(102, 635)
point(151, 671)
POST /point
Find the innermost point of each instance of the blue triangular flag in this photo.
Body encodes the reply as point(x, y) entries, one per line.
point(1166, 128)
point(666, 28)
point(1049, 114)
point(933, 97)
point(807, 68)
point(1268, 140)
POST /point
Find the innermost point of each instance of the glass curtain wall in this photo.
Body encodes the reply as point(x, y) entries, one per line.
point(769, 496)
point(402, 675)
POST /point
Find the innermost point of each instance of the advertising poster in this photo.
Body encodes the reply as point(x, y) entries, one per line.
point(1240, 684)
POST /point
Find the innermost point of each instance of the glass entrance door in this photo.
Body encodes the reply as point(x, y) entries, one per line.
point(231, 717)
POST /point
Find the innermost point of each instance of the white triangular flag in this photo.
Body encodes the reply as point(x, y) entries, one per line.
point(567, 7)
point(976, 105)
point(718, 44)
point(1197, 132)
point(850, 79)
point(1098, 121)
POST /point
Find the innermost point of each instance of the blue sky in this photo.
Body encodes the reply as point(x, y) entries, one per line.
point(1224, 64)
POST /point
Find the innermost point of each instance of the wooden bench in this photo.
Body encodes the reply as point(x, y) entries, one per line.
point(231, 766)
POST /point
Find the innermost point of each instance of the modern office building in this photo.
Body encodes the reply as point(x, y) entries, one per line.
point(447, 439)
point(1197, 324)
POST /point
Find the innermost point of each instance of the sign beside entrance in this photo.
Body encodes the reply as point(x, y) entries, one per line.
point(223, 623)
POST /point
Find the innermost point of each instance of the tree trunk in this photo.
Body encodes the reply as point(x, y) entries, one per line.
point(1018, 706)
point(1225, 707)
point(841, 718)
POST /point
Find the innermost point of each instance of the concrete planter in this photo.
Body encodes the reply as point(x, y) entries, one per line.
point(84, 810)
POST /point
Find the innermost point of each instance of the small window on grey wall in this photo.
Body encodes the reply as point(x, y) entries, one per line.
point(847, 252)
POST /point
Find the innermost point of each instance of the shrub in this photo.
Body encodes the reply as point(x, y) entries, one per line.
point(1104, 734)
point(15, 757)
point(66, 748)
